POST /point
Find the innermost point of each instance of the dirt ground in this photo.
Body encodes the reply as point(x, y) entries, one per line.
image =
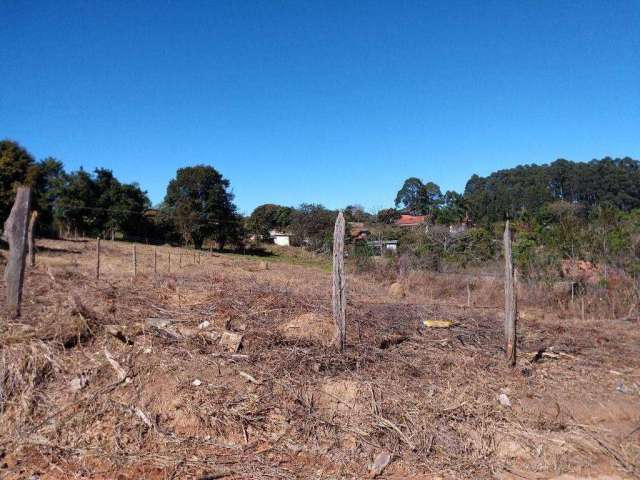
point(130, 378)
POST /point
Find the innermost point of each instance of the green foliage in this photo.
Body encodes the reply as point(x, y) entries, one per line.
point(17, 167)
point(362, 256)
point(528, 188)
point(50, 177)
point(268, 217)
point(199, 202)
point(312, 226)
point(453, 209)
point(418, 198)
point(356, 213)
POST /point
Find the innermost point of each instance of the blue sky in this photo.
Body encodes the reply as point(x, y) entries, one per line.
point(335, 102)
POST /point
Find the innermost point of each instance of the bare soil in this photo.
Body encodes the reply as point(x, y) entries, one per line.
point(92, 389)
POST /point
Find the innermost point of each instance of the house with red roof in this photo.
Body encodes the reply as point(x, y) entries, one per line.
point(411, 220)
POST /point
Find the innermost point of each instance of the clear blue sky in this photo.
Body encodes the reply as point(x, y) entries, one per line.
point(334, 102)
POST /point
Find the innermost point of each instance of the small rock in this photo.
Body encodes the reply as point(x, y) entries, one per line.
point(78, 384)
point(204, 324)
point(397, 290)
point(622, 388)
point(504, 400)
point(159, 322)
point(197, 382)
point(230, 341)
point(380, 463)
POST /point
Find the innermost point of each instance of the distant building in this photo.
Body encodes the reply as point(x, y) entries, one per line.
point(411, 220)
point(381, 246)
point(280, 238)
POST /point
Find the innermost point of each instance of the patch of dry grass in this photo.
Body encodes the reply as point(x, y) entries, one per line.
point(285, 406)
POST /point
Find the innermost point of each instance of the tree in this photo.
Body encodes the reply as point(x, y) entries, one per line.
point(17, 167)
point(418, 198)
point(201, 206)
point(409, 195)
point(356, 213)
point(75, 202)
point(268, 217)
point(387, 215)
point(312, 225)
point(120, 207)
point(453, 208)
point(529, 188)
point(50, 178)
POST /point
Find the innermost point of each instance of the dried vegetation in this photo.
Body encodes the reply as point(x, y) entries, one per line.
point(92, 389)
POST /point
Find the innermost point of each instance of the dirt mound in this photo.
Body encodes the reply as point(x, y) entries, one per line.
point(397, 290)
point(339, 397)
point(313, 327)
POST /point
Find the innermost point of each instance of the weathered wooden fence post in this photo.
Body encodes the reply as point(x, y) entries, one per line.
point(135, 261)
point(468, 295)
point(15, 232)
point(339, 299)
point(155, 260)
point(98, 258)
point(510, 299)
point(32, 245)
point(169, 261)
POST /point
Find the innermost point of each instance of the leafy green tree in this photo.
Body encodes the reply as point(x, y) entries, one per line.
point(419, 198)
point(50, 177)
point(312, 226)
point(74, 204)
point(268, 217)
point(453, 209)
point(562, 228)
point(17, 166)
point(202, 206)
point(119, 207)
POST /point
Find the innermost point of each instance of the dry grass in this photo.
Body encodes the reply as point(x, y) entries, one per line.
point(285, 406)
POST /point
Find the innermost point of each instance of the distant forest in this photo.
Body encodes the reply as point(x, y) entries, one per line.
point(528, 188)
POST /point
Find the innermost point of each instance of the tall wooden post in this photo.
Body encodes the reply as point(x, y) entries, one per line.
point(339, 299)
point(135, 261)
point(155, 260)
point(16, 230)
point(510, 300)
point(180, 264)
point(32, 245)
point(169, 261)
point(98, 259)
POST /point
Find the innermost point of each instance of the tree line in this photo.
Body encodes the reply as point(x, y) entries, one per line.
point(198, 205)
point(562, 209)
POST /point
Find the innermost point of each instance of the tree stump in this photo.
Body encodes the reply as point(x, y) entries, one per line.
point(510, 300)
point(16, 230)
point(339, 299)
